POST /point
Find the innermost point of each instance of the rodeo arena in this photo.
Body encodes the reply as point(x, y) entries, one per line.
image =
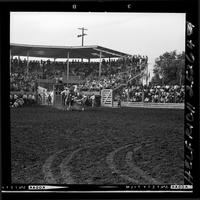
point(94, 118)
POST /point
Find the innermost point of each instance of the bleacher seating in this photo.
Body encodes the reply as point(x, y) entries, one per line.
point(115, 74)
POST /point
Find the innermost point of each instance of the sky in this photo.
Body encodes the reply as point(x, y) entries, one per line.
point(150, 34)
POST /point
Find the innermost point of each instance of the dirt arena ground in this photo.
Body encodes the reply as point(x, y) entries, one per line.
point(97, 146)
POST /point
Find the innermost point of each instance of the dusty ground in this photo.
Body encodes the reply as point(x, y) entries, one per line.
point(97, 146)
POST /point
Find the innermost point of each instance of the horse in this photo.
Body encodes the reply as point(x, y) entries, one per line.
point(68, 101)
point(79, 103)
point(75, 103)
point(65, 100)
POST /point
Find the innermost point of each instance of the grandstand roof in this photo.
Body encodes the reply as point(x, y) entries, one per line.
point(62, 51)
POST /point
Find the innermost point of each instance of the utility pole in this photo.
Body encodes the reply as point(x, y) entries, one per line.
point(83, 34)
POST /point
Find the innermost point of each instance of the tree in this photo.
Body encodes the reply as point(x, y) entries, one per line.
point(169, 69)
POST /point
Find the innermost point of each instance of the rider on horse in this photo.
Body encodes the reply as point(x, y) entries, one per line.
point(73, 99)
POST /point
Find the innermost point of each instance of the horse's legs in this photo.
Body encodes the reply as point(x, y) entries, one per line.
point(68, 105)
point(65, 104)
point(83, 105)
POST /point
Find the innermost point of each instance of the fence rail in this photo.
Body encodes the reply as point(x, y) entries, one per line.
point(152, 105)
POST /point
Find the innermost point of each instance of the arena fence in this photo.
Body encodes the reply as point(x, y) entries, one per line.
point(107, 100)
point(152, 105)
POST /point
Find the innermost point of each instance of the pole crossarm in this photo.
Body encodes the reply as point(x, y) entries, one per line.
point(83, 28)
point(83, 34)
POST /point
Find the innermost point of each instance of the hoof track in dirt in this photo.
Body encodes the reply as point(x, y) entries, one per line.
point(117, 162)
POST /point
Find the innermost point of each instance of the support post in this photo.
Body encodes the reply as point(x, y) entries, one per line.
point(100, 64)
point(180, 78)
point(18, 60)
point(128, 96)
point(27, 62)
point(67, 67)
point(10, 61)
point(109, 65)
point(159, 97)
point(124, 63)
point(147, 79)
point(143, 96)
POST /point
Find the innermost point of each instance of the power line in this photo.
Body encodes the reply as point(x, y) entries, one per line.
point(83, 34)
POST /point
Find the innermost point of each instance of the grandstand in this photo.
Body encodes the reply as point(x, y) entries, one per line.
point(72, 52)
point(123, 69)
point(119, 74)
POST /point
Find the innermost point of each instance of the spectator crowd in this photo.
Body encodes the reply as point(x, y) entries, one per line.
point(154, 94)
point(114, 73)
point(22, 99)
point(23, 82)
point(24, 75)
